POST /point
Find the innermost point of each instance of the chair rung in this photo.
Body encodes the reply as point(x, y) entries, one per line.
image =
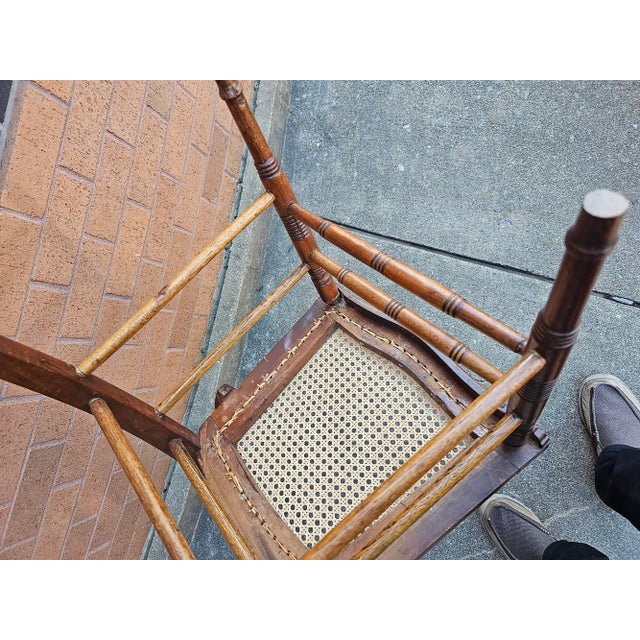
point(454, 349)
point(417, 283)
point(425, 496)
point(232, 338)
point(195, 477)
point(169, 291)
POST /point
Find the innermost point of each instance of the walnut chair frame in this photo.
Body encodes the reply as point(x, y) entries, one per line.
point(419, 493)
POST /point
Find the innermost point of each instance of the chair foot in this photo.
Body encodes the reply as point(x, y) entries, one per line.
point(222, 393)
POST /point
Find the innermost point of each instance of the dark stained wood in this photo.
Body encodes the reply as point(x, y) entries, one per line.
point(440, 505)
point(454, 349)
point(209, 500)
point(589, 241)
point(222, 393)
point(248, 511)
point(162, 520)
point(402, 354)
point(263, 374)
point(44, 374)
point(276, 182)
point(429, 290)
point(468, 385)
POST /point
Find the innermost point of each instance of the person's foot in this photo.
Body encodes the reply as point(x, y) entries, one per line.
point(514, 529)
point(609, 411)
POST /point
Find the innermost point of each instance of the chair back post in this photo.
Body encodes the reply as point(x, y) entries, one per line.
point(587, 245)
point(276, 182)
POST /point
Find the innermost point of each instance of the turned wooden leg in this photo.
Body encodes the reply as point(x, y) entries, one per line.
point(276, 182)
point(588, 243)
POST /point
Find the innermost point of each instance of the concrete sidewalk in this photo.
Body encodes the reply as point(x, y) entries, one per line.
point(475, 184)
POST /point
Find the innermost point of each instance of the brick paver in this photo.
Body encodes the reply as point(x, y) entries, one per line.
point(106, 189)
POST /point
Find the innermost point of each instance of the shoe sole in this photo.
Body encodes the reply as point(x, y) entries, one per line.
point(584, 401)
point(506, 501)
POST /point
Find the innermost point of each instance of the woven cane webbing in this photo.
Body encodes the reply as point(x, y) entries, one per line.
point(346, 421)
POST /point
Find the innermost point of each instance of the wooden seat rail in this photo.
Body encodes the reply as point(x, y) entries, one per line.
point(211, 503)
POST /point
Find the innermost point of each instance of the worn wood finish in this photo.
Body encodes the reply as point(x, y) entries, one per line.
point(361, 307)
point(500, 466)
point(169, 291)
point(426, 457)
point(223, 391)
point(232, 338)
point(454, 349)
point(275, 181)
point(442, 366)
point(392, 341)
point(429, 290)
point(247, 510)
point(278, 536)
point(44, 374)
point(209, 500)
point(487, 477)
point(588, 242)
point(422, 499)
point(418, 363)
point(156, 509)
point(236, 414)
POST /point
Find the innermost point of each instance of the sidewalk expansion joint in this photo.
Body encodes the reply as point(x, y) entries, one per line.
point(510, 269)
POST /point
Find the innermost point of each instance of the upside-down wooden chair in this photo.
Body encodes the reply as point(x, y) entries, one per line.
point(362, 434)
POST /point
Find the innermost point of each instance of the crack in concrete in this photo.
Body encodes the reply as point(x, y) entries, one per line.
point(617, 299)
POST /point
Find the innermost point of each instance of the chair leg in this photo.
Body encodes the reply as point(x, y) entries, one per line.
point(276, 182)
point(588, 243)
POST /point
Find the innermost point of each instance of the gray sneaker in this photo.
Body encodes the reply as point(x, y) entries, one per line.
point(514, 529)
point(610, 412)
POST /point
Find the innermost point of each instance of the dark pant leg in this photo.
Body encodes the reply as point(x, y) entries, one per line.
point(565, 550)
point(617, 480)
